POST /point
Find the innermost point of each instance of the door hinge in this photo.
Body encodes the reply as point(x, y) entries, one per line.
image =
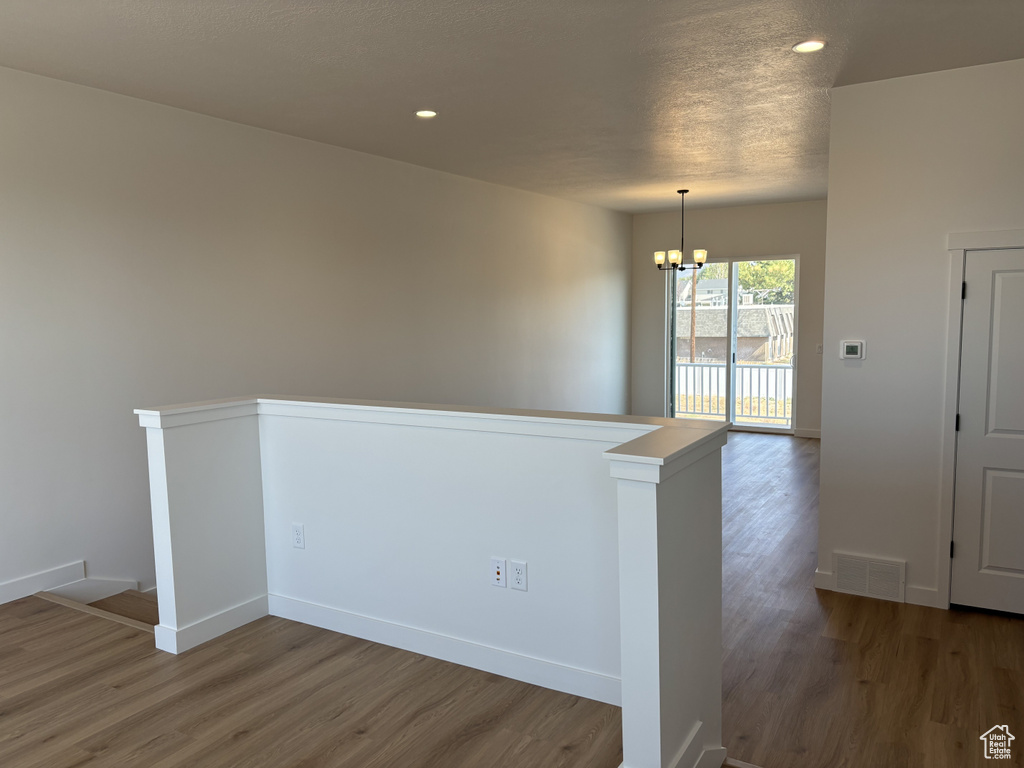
point(963, 290)
point(957, 423)
point(951, 550)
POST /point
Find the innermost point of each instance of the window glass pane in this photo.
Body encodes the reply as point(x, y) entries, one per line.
point(702, 343)
point(765, 326)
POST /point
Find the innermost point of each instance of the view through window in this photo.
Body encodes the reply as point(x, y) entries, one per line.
point(735, 332)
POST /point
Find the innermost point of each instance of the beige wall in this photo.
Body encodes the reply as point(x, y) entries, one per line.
point(151, 256)
point(747, 232)
point(912, 160)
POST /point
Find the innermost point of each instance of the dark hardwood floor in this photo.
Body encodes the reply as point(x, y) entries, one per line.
point(810, 680)
point(814, 678)
point(77, 690)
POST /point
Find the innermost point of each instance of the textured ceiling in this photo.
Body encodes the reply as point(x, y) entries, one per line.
point(611, 102)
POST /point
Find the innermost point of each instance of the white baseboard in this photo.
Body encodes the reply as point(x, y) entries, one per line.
point(812, 433)
point(927, 596)
point(184, 638)
point(693, 753)
point(711, 758)
point(579, 682)
point(824, 580)
point(90, 590)
point(41, 582)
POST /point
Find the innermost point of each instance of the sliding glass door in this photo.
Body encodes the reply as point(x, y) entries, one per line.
point(734, 352)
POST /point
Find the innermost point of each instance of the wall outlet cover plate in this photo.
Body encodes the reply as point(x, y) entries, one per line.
point(517, 574)
point(498, 574)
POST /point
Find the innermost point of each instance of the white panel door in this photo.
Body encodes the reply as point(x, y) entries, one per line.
point(988, 518)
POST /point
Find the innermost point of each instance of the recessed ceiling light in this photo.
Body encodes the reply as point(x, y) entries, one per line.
point(426, 114)
point(809, 46)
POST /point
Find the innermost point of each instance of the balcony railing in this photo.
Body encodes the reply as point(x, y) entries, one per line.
point(764, 393)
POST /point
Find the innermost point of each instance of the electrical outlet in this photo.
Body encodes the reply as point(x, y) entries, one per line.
point(298, 536)
point(517, 574)
point(498, 571)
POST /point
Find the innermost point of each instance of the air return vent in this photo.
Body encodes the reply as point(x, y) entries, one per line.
point(885, 579)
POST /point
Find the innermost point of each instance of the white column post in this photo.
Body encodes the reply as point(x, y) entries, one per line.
point(670, 592)
point(206, 491)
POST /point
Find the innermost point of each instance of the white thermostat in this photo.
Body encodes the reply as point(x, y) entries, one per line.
point(851, 350)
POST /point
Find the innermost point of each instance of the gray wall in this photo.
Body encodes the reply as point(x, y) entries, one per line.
point(912, 160)
point(151, 256)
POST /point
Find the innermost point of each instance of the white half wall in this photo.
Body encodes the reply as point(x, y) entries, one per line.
point(912, 160)
point(153, 255)
point(402, 511)
point(746, 232)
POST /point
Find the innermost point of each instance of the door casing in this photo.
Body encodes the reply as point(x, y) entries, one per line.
point(959, 247)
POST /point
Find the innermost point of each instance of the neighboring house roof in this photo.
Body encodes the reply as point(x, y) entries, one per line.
point(716, 287)
point(753, 321)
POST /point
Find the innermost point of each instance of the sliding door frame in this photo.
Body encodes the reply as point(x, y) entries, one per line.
point(671, 334)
